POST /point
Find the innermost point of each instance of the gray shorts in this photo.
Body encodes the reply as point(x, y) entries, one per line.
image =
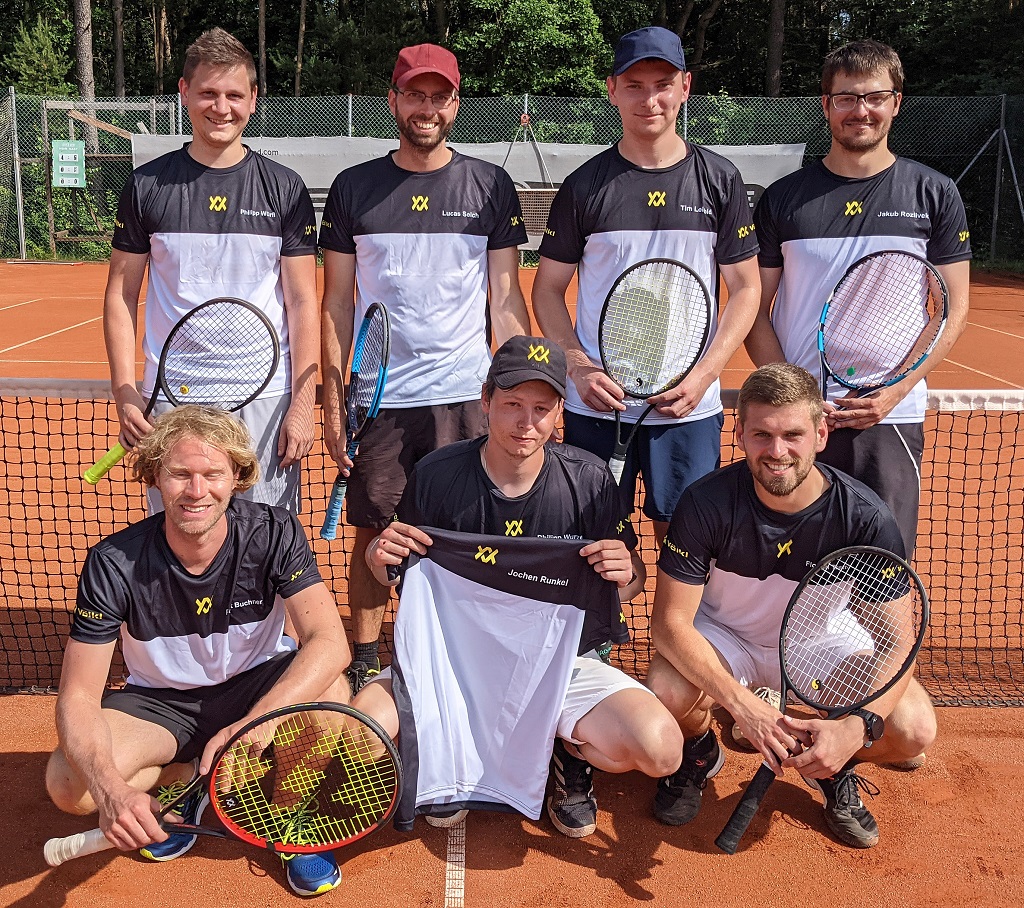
point(280, 486)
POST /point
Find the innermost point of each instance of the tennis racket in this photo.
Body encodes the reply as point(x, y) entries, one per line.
point(851, 630)
point(223, 353)
point(654, 324)
point(362, 403)
point(881, 321)
point(301, 779)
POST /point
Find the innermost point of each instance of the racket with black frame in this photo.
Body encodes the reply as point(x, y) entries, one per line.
point(370, 358)
point(298, 780)
point(881, 321)
point(654, 325)
point(222, 353)
point(852, 629)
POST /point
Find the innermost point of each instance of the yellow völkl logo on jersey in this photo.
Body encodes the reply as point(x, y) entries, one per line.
point(419, 202)
point(485, 554)
point(218, 203)
point(204, 605)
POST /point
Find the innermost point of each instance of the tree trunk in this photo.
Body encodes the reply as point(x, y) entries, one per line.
point(700, 32)
point(298, 52)
point(440, 20)
point(118, 10)
point(84, 74)
point(161, 45)
point(263, 47)
point(684, 18)
point(776, 36)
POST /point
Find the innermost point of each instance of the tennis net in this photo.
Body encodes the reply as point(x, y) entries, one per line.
point(970, 550)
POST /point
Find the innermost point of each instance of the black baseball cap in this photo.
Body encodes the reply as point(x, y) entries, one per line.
point(522, 359)
point(654, 43)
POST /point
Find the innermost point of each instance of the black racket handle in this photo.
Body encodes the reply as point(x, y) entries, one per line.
point(729, 838)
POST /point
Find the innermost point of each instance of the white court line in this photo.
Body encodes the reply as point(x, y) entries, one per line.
point(1004, 381)
point(15, 305)
point(997, 330)
point(455, 867)
point(34, 340)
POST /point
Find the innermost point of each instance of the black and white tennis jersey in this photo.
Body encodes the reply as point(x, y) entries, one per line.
point(610, 214)
point(485, 643)
point(184, 631)
point(421, 242)
point(815, 224)
point(214, 231)
point(750, 558)
point(573, 498)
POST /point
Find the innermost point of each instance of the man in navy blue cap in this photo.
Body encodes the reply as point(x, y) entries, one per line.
point(652, 195)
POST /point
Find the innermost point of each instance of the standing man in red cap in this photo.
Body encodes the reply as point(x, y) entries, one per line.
point(434, 235)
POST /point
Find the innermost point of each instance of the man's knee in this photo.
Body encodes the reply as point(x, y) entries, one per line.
point(912, 726)
point(65, 788)
point(677, 694)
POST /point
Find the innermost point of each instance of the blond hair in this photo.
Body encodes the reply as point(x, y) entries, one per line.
point(210, 425)
point(217, 47)
point(778, 385)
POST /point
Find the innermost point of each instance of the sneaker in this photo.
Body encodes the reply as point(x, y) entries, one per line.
point(850, 821)
point(311, 874)
point(908, 765)
point(572, 805)
point(678, 798)
point(176, 844)
point(443, 819)
point(762, 693)
point(359, 673)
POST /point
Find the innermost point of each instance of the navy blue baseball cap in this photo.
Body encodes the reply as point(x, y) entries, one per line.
point(653, 43)
point(522, 359)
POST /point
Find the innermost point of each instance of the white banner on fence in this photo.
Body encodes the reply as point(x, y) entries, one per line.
point(318, 160)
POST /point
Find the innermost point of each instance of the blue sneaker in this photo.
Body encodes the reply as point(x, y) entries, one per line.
point(311, 874)
point(175, 845)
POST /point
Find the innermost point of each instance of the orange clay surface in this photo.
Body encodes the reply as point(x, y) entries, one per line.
point(952, 832)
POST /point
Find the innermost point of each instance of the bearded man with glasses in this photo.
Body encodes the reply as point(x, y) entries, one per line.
point(813, 224)
point(434, 235)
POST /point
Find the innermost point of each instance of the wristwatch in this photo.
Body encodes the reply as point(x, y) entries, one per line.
point(874, 725)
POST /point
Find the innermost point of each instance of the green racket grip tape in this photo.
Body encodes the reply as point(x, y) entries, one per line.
point(102, 466)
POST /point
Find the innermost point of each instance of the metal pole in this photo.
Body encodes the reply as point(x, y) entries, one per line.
point(47, 178)
point(685, 117)
point(181, 118)
point(18, 195)
point(350, 115)
point(1013, 173)
point(999, 181)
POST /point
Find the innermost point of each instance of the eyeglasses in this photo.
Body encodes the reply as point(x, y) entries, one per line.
point(440, 101)
point(873, 100)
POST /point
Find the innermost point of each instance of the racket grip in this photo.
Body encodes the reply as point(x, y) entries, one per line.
point(57, 851)
point(102, 466)
point(729, 838)
point(617, 463)
point(330, 528)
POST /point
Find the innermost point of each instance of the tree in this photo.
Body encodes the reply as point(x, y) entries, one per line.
point(39, 62)
point(83, 49)
point(117, 8)
point(547, 47)
point(776, 38)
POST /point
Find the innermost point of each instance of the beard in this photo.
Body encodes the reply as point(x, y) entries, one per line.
point(780, 486)
point(425, 142)
point(865, 142)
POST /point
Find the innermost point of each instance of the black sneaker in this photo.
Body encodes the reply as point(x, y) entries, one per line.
point(359, 673)
point(572, 805)
point(445, 819)
point(678, 798)
point(850, 821)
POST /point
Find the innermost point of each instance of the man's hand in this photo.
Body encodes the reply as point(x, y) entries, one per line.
point(611, 559)
point(130, 406)
point(767, 731)
point(681, 400)
point(297, 432)
point(853, 412)
point(128, 817)
point(596, 389)
point(831, 743)
point(394, 544)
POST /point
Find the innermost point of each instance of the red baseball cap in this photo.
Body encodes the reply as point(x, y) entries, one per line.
point(425, 58)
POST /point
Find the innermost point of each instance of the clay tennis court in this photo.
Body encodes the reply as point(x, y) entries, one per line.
point(951, 831)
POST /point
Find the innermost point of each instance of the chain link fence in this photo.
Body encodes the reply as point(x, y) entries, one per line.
point(961, 137)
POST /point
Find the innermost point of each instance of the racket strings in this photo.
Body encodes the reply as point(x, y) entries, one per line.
point(366, 371)
point(852, 630)
point(654, 327)
point(321, 778)
point(221, 354)
point(883, 317)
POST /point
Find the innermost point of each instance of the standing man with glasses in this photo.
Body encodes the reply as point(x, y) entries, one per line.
point(813, 224)
point(434, 235)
